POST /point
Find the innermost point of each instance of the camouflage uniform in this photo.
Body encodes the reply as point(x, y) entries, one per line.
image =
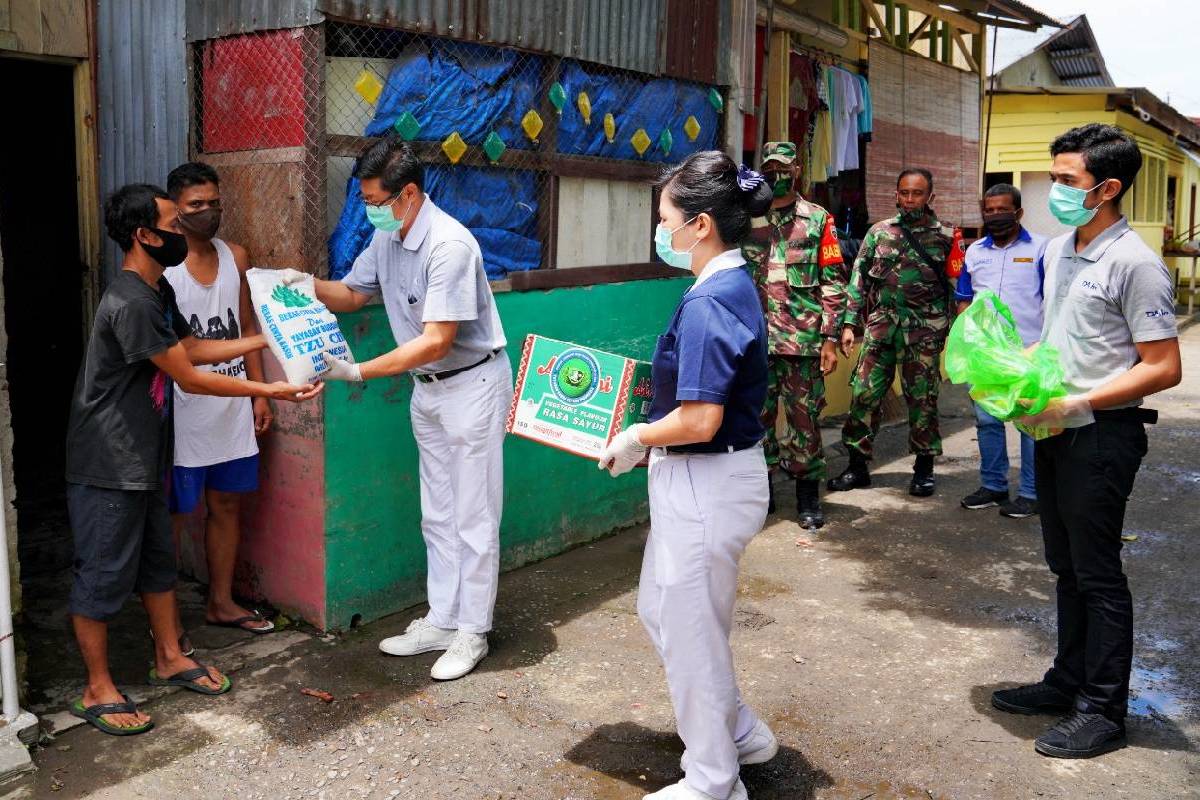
point(905, 309)
point(797, 265)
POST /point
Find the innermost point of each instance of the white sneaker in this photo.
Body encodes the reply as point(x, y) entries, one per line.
point(467, 650)
point(681, 791)
point(758, 748)
point(419, 637)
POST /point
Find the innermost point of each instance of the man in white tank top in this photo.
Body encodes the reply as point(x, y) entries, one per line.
point(216, 451)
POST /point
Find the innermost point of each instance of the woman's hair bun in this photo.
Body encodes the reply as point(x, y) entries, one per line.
point(756, 192)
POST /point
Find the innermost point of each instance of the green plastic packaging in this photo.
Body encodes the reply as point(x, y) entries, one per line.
point(985, 351)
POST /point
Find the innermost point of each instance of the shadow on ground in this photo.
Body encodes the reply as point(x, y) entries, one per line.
point(649, 760)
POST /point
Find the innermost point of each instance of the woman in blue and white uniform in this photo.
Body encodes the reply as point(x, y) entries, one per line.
point(708, 475)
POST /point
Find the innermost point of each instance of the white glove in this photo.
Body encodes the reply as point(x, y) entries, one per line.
point(624, 452)
point(288, 276)
point(1073, 411)
point(340, 370)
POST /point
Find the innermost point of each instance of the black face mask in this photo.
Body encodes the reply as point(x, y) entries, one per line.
point(1001, 224)
point(202, 223)
point(171, 252)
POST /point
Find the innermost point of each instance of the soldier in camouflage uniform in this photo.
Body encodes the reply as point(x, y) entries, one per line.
point(797, 264)
point(902, 300)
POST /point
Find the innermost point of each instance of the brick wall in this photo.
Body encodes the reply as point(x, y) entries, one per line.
point(926, 115)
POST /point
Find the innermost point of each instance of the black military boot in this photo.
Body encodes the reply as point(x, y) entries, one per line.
point(808, 505)
point(856, 475)
point(922, 480)
point(770, 497)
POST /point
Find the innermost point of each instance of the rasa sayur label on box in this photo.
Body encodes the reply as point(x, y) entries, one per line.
point(575, 398)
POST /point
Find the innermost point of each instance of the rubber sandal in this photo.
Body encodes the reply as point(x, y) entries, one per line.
point(187, 679)
point(92, 715)
point(186, 649)
point(240, 622)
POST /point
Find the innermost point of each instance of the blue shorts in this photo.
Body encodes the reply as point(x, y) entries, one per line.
point(188, 483)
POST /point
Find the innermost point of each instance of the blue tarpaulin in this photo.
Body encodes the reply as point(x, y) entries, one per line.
point(450, 86)
point(499, 206)
point(455, 86)
point(653, 104)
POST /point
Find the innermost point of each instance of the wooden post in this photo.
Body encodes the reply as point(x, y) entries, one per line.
point(920, 31)
point(778, 82)
point(547, 218)
point(946, 52)
point(315, 180)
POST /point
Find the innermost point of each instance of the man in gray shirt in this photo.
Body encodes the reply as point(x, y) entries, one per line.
point(429, 271)
point(1110, 313)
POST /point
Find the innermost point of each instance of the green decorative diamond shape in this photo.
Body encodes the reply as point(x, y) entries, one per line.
point(666, 141)
point(494, 146)
point(717, 101)
point(558, 96)
point(407, 126)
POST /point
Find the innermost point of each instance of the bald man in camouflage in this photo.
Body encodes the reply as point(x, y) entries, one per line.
point(900, 297)
point(797, 265)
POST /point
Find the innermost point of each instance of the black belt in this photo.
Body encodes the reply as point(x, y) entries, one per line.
point(709, 448)
point(450, 373)
point(1146, 416)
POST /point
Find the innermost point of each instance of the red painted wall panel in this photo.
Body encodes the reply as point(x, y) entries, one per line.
point(252, 92)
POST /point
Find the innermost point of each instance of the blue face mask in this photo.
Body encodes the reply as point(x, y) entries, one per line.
point(1066, 204)
point(383, 219)
point(680, 259)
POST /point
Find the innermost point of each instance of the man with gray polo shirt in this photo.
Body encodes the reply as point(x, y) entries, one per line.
point(428, 268)
point(1110, 312)
point(1007, 261)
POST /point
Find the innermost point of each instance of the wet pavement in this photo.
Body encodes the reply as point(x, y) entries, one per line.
point(871, 648)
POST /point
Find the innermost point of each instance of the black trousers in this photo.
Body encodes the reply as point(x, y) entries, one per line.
point(1084, 478)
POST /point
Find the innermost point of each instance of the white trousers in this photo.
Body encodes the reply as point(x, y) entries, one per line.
point(459, 427)
point(704, 510)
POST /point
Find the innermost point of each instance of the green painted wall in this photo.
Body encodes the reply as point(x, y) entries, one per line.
point(375, 557)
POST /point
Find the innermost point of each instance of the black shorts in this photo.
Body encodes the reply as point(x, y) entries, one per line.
point(123, 544)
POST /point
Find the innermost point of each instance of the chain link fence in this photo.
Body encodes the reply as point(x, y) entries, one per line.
point(284, 114)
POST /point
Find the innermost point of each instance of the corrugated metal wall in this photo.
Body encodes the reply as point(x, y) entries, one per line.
point(631, 34)
point(211, 19)
point(691, 32)
point(618, 33)
point(141, 88)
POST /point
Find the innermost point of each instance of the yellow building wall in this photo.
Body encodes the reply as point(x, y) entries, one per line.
point(1024, 125)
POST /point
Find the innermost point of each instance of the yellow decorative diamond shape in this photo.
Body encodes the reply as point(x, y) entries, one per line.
point(454, 147)
point(691, 128)
point(531, 123)
point(368, 86)
point(585, 107)
point(610, 128)
point(640, 141)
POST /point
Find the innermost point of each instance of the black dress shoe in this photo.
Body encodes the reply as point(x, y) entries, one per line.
point(922, 484)
point(808, 505)
point(1036, 698)
point(855, 476)
point(1081, 735)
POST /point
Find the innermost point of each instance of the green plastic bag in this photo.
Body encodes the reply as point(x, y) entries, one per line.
point(985, 351)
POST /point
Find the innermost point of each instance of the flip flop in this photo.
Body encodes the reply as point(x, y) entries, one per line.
point(92, 715)
point(188, 678)
point(240, 622)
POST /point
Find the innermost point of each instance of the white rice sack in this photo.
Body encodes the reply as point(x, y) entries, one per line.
point(298, 326)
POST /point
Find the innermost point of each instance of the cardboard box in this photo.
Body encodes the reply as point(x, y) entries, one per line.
point(575, 398)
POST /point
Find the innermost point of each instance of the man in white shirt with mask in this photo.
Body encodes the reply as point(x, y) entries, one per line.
point(428, 269)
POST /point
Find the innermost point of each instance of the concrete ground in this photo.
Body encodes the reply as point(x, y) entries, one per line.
point(871, 648)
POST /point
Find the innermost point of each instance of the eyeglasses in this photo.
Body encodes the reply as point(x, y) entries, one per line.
point(383, 204)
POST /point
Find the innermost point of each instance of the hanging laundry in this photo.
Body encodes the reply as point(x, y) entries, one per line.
point(866, 118)
point(845, 110)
